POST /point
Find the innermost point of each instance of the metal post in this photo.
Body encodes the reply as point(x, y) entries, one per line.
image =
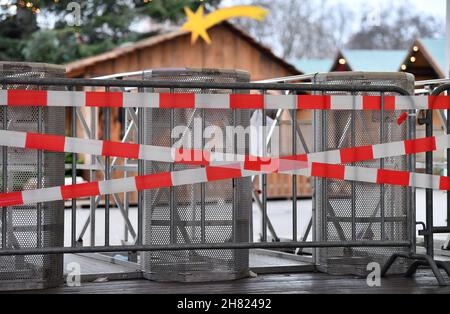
point(141, 132)
point(353, 185)
point(264, 177)
point(126, 202)
point(382, 187)
point(314, 184)
point(4, 177)
point(173, 231)
point(294, 177)
point(429, 192)
point(323, 197)
point(203, 189)
point(234, 181)
point(39, 181)
point(411, 191)
point(448, 171)
point(93, 176)
point(106, 137)
point(448, 156)
point(447, 75)
point(447, 39)
point(74, 180)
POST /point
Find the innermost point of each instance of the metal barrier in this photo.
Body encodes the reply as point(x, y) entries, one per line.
point(40, 224)
point(351, 210)
point(428, 227)
point(210, 212)
point(131, 105)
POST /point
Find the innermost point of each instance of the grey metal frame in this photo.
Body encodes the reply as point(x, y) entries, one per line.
point(136, 127)
point(37, 225)
point(429, 229)
point(341, 219)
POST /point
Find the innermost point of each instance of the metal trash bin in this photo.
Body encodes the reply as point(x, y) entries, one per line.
point(37, 225)
point(215, 212)
point(346, 211)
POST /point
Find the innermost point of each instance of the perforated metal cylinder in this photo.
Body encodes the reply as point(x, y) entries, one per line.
point(216, 212)
point(34, 225)
point(346, 211)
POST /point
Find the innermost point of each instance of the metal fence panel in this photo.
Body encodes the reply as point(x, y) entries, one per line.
point(40, 225)
point(216, 212)
point(350, 211)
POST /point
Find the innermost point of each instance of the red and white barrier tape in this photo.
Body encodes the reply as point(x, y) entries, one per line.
point(205, 158)
point(15, 97)
point(211, 174)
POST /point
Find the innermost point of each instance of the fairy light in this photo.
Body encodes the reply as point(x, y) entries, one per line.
point(28, 5)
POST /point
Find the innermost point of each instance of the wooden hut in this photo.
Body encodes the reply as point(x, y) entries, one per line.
point(425, 59)
point(231, 48)
point(368, 60)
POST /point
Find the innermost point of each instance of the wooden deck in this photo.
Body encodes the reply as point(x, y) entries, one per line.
point(104, 274)
point(101, 267)
point(423, 282)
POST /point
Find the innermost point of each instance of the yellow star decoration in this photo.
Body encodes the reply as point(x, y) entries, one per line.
point(198, 24)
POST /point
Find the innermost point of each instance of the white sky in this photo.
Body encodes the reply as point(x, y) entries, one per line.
point(433, 7)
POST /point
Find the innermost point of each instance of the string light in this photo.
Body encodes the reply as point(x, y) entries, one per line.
point(413, 59)
point(404, 67)
point(342, 61)
point(29, 5)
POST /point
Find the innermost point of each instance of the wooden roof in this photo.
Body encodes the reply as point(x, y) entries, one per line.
point(74, 68)
point(369, 60)
point(430, 58)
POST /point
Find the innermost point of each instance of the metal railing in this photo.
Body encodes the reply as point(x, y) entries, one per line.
point(134, 119)
point(429, 230)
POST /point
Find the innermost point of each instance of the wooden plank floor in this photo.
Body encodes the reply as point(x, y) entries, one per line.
point(97, 266)
point(91, 265)
point(423, 282)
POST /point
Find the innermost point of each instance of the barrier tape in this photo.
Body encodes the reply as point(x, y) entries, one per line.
point(14, 97)
point(315, 164)
point(58, 143)
point(323, 164)
point(211, 174)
